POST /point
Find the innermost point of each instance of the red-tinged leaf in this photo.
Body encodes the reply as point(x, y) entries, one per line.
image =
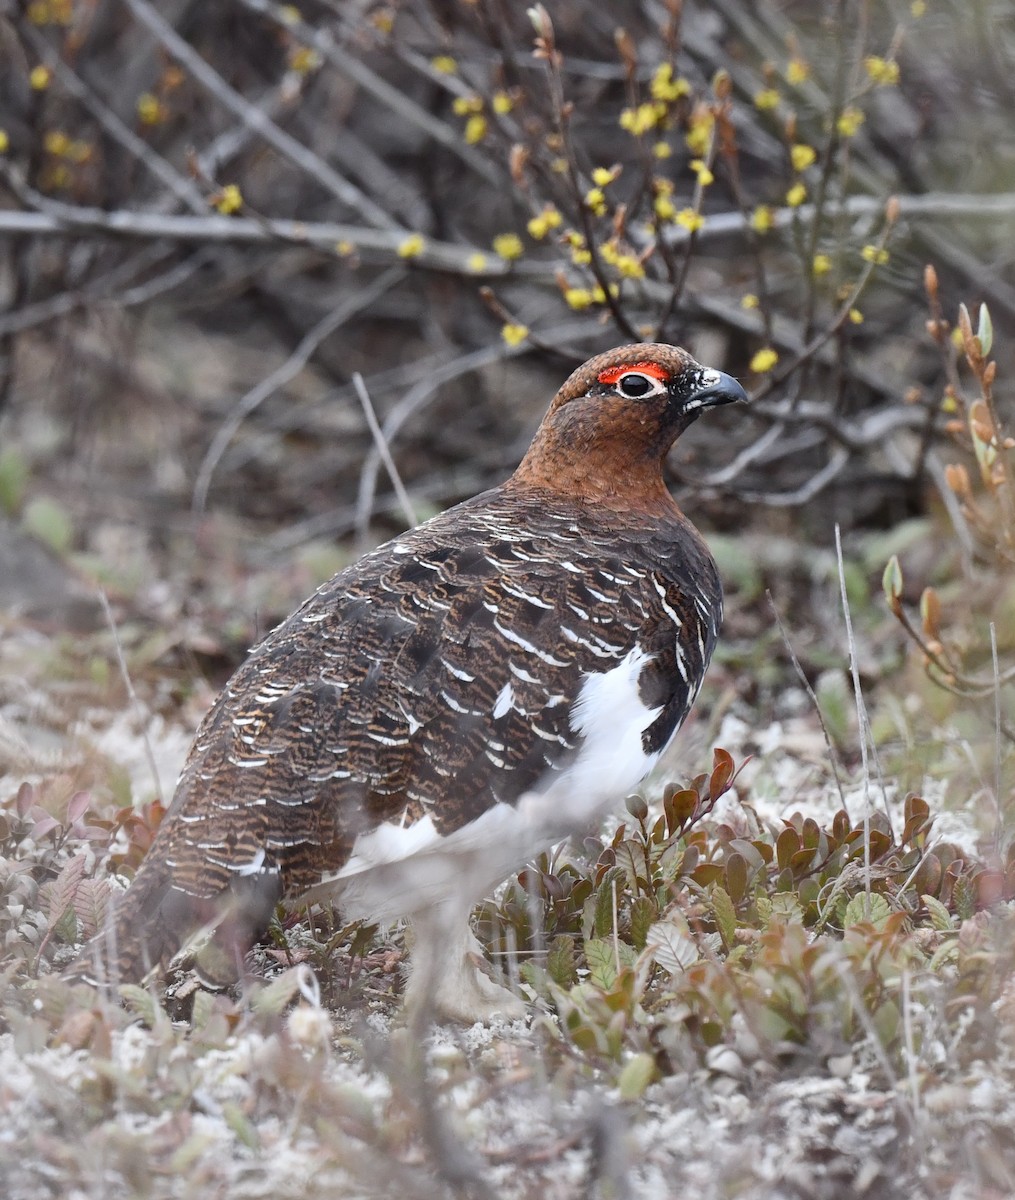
point(529, 881)
point(25, 799)
point(77, 1029)
point(679, 807)
point(692, 856)
point(94, 833)
point(840, 825)
point(811, 834)
point(45, 824)
point(915, 806)
point(706, 873)
point(91, 905)
point(952, 875)
point(736, 877)
point(722, 773)
point(77, 806)
point(765, 851)
point(881, 843)
point(637, 807)
point(751, 852)
point(552, 887)
point(927, 879)
point(990, 889)
point(930, 614)
point(786, 845)
point(64, 888)
point(802, 860)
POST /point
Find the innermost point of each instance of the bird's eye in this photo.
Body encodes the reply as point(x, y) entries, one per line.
point(635, 385)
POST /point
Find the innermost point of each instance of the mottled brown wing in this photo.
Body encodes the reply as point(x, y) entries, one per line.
point(383, 699)
point(376, 700)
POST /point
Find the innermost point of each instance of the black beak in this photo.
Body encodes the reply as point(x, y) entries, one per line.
point(713, 388)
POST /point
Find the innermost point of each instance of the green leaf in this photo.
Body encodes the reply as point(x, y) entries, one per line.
point(891, 581)
point(835, 700)
point(670, 944)
point(857, 910)
point(637, 1074)
point(602, 922)
point(49, 522)
point(887, 1020)
point(786, 908)
point(239, 1123)
point(560, 961)
point(600, 954)
point(13, 478)
point(964, 897)
point(202, 1010)
point(643, 913)
point(140, 1001)
point(940, 917)
point(276, 996)
point(985, 331)
point(725, 916)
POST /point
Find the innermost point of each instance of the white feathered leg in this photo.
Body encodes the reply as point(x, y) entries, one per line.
point(447, 976)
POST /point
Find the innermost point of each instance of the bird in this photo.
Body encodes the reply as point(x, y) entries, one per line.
point(452, 704)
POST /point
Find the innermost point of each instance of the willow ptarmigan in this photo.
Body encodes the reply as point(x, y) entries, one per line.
point(455, 701)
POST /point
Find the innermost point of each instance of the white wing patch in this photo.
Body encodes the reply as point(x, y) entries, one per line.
point(395, 868)
point(611, 716)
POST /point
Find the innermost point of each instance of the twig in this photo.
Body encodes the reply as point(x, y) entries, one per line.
point(349, 64)
point(806, 491)
point(833, 754)
point(547, 50)
point(282, 374)
point(111, 288)
point(131, 694)
point(844, 970)
point(178, 184)
point(997, 738)
point(420, 394)
point(908, 1040)
point(56, 218)
point(212, 82)
point(61, 219)
point(384, 450)
point(861, 714)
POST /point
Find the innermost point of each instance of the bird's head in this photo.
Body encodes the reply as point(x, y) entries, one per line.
point(610, 426)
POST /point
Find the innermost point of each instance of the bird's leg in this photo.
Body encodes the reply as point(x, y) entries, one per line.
point(447, 979)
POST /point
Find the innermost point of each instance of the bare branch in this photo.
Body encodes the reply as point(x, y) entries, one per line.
point(239, 106)
point(402, 106)
point(282, 374)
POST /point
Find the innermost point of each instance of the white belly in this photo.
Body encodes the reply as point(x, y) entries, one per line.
point(395, 870)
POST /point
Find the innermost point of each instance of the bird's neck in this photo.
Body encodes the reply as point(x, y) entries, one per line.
point(599, 474)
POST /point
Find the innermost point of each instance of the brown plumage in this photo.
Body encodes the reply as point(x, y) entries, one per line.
point(454, 701)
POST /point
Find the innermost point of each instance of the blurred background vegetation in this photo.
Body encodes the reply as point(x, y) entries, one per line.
point(216, 218)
